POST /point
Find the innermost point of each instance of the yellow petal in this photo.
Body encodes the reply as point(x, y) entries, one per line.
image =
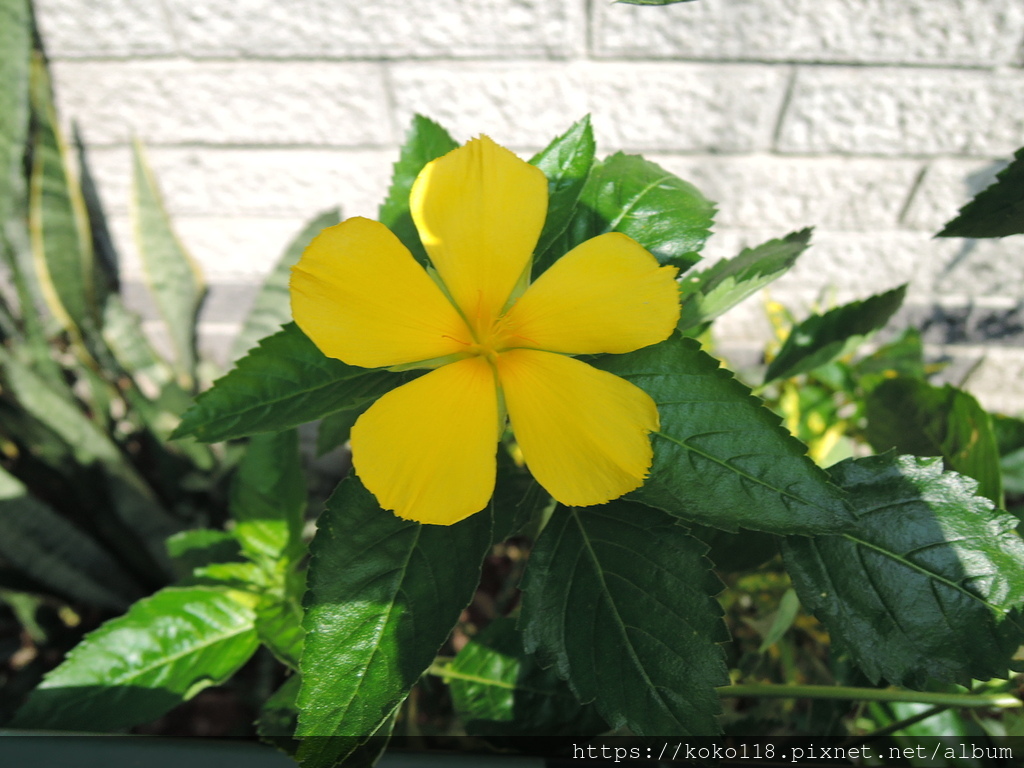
point(606, 295)
point(361, 297)
point(479, 211)
point(583, 432)
point(427, 449)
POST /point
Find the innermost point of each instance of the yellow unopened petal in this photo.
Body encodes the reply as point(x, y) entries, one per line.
point(427, 449)
point(479, 211)
point(583, 432)
point(606, 295)
point(361, 297)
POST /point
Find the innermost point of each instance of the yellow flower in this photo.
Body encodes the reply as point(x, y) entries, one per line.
point(495, 344)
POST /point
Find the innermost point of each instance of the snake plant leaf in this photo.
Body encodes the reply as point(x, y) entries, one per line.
point(271, 308)
point(173, 277)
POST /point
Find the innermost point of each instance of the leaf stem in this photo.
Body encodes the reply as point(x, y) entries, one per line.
point(960, 700)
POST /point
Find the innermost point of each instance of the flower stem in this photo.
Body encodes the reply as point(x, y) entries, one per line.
point(1000, 700)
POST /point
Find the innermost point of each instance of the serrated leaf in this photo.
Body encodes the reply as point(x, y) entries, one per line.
point(997, 211)
point(173, 277)
point(15, 54)
point(48, 548)
point(138, 666)
point(271, 309)
point(915, 417)
point(566, 162)
point(384, 593)
point(284, 382)
point(424, 141)
point(268, 497)
point(628, 194)
point(618, 598)
point(820, 339)
point(928, 584)
point(710, 292)
point(279, 624)
point(720, 457)
point(498, 690)
point(58, 223)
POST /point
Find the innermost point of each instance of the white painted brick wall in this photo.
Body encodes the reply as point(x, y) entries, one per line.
point(872, 120)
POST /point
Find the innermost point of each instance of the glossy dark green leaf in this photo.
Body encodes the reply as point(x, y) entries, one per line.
point(284, 382)
point(268, 497)
point(271, 309)
point(618, 598)
point(820, 339)
point(499, 690)
point(928, 584)
point(710, 292)
point(279, 625)
point(48, 548)
point(15, 54)
point(721, 458)
point(994, 212)
point(58, 223)
point(172, 275)
point(628, 194)
point(136, 667)
point(915, 417)
point(425, 141)
point(566, 162)
point(384, 593)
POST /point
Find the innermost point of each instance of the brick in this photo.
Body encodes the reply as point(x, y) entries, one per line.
point(887, 111)
point(83, 28)
point(251, 182)
point(790, 193)
point(226, 249)
point(684, 107)
point(386, 29)
point(174, 102)
point(945, 187)
point(972, 32)
point(634, 106)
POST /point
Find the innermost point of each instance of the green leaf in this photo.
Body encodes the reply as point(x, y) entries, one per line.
point(720, 457)
point(134, 502)
point(628, 194)
point(820, 339)
point(279, 624)
point(15, 54)
point(106, 277)
point(123, 334)
point(618, 598)
point(424, 141)
point(789, 607)
point(202, 547)
point(279, 715)
point(45, 546)
point(136, 667)
point(272, 307)
point(1009, 434)
point(994, 212)
point(336, 428)
point(710, 292)
point(284, 382)
point(566, 162)
point(499, 690)
point(928, 584)
point(903, 356)
point(915, 417)
point(58, 223)
point(384, 593)
point(268, 497)
point(170, 272)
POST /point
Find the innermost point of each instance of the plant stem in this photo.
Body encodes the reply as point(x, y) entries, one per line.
point(1001, 700)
